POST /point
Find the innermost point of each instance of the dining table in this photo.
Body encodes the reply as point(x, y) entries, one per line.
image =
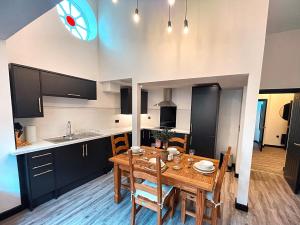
point(184, 177)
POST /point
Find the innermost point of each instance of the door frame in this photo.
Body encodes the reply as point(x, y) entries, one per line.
point(264, 123)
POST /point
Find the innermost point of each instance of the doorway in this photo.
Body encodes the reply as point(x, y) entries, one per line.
point(260, 122)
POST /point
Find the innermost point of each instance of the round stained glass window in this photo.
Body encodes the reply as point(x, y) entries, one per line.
point(79, 18)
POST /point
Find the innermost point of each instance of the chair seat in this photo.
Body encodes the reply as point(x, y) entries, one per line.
point(166, 190)
point(209, 196)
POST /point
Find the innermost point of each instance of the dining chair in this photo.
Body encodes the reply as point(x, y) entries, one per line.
point(151, 193)
point(212, 201)
point(121, 144)
point(178, 140)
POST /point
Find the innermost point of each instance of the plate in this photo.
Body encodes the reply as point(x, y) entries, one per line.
point(153, 161)
point(204, 165)
point(204, 171)
point(176, 167)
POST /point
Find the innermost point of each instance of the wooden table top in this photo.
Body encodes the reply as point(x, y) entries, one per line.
point(185, 176)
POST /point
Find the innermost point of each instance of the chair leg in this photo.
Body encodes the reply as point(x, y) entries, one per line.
point(159, 216)
point(214, 216)
point(133, 212)
point(183, 207)
point(219, 208)
point(172, 205)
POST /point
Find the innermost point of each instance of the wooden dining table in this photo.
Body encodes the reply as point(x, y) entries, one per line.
point(185, 178)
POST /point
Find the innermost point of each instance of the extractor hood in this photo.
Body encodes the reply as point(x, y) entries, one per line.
point(167, 102)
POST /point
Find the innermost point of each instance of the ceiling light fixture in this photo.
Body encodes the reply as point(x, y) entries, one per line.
point(136, 16)
point(186, 23)
point(169, 29)
point(171, 2)
point(115, 1)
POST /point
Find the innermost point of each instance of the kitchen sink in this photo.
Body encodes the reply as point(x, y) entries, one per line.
point(72, 137)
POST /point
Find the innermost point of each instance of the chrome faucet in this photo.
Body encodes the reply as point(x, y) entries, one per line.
point(69, 130)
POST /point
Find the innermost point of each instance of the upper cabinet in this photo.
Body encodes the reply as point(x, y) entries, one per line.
point(126, 101)
point(54, 84)
point(26, 93)
point(28, 85)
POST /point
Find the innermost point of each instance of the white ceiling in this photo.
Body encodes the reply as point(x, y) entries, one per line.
point(226, 82)
point(16, 14)
point(284, 15)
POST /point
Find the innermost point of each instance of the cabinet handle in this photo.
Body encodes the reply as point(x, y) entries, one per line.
point(40, 106)
point(43, 155)
point(37, 167)
point(86, 149)
point(39, 174)
point(83, 154)
point(297, 144)
point(75, 95)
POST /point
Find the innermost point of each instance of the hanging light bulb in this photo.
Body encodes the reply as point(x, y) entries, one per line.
point(169, 29)
point(115, 1)
point(186, 27)
point(185, 23)
point(136, 16)
point(171, 2)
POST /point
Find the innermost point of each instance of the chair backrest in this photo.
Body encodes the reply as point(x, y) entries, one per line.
point(138, 171)
point(221, 175)
point(116, 147)
point(182, 141)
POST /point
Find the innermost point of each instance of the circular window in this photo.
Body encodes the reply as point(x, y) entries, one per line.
point(79, 18)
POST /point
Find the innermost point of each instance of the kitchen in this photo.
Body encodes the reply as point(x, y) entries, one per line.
point(77, 94)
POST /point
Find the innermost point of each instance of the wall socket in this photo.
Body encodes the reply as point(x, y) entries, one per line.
point(149, 117)
point(117, 121)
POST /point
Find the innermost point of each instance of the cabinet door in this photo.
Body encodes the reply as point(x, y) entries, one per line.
point(204, 117)
point(144, 102)
point(126, 101)
point(70, 165)
point(26, 92)
point(54, 84)
point(95, 156)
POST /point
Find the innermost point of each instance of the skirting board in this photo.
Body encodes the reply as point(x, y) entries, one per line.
point(236, 175)
point(241, 206)
point(273, 146)
point(11, 212)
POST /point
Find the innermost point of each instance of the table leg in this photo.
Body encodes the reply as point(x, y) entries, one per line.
point(117, 183)
point(200, 206)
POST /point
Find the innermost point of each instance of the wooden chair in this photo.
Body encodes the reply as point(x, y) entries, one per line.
point(182, 141)
point(151, 193)
point(212, 201)
point(121, 144)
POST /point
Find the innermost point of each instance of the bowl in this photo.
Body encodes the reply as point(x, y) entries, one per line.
point(172, 150)
point(135, 149)
point(204, 165)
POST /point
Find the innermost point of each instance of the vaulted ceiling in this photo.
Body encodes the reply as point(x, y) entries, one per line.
point(284, 15)
point(16, 14)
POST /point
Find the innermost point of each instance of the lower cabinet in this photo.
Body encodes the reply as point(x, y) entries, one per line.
point(47, 174)
point(146, 137)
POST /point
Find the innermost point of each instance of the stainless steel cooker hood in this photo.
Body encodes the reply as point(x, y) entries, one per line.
point(167, 102)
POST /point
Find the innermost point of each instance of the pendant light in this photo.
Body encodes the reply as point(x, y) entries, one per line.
point(169, 29)
point(186, 23)
point(171, 2)
point(136, 16)
point(115, 1)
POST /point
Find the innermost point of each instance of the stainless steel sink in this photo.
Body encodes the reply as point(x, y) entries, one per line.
point(72, 137)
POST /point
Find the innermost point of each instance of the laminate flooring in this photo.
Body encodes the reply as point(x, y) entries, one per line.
point(269, 160)
point(271, 202)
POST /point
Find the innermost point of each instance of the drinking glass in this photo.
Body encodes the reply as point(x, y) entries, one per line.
point(190, 159)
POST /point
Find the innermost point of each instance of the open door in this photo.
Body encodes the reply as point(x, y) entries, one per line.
point(262, 120)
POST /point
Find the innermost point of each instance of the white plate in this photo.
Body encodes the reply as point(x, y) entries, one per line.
point(204, 171)
point(176, 152)
point(153, 161)
point(204, 165)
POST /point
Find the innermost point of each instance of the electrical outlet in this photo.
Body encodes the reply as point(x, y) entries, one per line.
point(117, 121)
point(149, 117)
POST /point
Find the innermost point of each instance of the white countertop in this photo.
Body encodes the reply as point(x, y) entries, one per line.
point(43, 145)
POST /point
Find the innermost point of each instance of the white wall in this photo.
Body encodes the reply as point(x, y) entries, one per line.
point(274, 124)
point(281, 67)
point(9, 178)
point(229, 121)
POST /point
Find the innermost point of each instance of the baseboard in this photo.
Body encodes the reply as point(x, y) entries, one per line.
point(241, 206)
point(11, 212)
point(256, 142)
point(236, 175)
point(273, 146)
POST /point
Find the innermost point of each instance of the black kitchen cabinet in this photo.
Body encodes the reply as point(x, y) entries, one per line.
point(146, 137)
point(59, 85)
point(204, 117)
point(37, 177)
point(26, 94)
point(126, 101)
point(292, 163)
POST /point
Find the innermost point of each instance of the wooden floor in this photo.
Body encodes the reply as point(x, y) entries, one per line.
point(271, 203)
point(269, 160)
